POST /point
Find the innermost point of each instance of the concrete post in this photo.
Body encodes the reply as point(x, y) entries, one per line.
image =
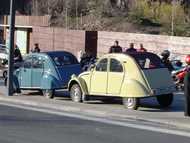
point(11, 48)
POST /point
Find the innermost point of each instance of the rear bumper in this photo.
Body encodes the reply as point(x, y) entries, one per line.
point(164, 90)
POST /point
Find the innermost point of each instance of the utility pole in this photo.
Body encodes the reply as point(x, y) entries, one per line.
point(66, 18)
point(173, 17)
point(81, 19)
point(36, 8)
point(48, 4)
point(11, 48)
point(77, 24)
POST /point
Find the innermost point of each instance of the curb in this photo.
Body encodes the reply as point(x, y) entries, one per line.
point(94, 113)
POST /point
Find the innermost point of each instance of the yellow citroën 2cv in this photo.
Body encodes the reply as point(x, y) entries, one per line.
point(129, 76)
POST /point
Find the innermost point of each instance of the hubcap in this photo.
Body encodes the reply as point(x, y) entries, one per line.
point(47, 93)
point(130, 102)
point(76, 95)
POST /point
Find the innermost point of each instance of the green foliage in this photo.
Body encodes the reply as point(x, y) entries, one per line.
point(164, 14)
point(159, 15)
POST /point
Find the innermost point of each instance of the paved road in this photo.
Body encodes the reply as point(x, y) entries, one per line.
point(24, 126)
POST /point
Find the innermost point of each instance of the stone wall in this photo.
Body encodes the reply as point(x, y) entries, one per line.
point(74, 41)
point(179, 46)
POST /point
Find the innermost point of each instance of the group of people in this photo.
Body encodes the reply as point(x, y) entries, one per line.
point(17, 53)
point(118, 49)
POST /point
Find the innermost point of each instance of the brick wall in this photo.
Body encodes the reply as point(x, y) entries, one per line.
point(32, 20)
point(58, 39)
point(179, 46)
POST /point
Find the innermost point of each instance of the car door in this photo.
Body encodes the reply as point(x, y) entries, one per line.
point(37, 71)
point(26, 73)
point(115, 77)
point(99, 78)
point(66, 65)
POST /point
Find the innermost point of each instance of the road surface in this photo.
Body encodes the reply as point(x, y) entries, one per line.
point(25, 126)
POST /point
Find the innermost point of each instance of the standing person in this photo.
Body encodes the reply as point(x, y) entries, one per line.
point(131, 48)
point(165, 59)
point(36, 48)
point(115, 48)
point(187, 94)
point(142, 49)
point(17, 55)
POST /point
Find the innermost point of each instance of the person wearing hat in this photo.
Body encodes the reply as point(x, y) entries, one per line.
point(166, 61)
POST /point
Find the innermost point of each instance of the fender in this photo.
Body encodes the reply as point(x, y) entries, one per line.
point(133, 88)
point(50, 82)
point(81, 82)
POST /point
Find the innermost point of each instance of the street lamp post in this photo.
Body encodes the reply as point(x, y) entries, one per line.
point(11, 48)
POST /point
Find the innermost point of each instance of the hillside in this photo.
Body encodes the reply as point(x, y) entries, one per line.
point(139, 16)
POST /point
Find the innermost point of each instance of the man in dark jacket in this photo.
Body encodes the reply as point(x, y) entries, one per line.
point(17, 55)
point(36, 48)
point(187, 94)
point(131, 48)
point(115, 48)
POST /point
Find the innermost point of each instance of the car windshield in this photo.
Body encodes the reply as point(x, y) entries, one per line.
point(62, 60)
point(147, 60)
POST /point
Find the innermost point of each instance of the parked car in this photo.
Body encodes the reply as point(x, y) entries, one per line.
point(46, 71)
point(129, 76)
point(3, 60)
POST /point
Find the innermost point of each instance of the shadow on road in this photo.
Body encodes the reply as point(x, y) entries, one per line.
point(146, 105)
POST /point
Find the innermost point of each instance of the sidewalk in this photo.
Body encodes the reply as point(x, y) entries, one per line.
point(149, 110)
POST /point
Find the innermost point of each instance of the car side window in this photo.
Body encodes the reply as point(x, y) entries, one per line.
point(102, 65)
point(115, 66)
point(37, 63)
point(64, 60)
point(28, 63)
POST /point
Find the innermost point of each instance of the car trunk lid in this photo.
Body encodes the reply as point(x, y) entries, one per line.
point(159, 80)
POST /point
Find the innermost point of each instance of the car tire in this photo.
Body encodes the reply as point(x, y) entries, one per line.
point(131, 103)
point(165, 100)
point(76, 93)
point(48, 93)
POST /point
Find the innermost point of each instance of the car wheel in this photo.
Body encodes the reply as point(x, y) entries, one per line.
point(131, 103)
point(48, 93)
point(76, 93)
point(165, 100)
